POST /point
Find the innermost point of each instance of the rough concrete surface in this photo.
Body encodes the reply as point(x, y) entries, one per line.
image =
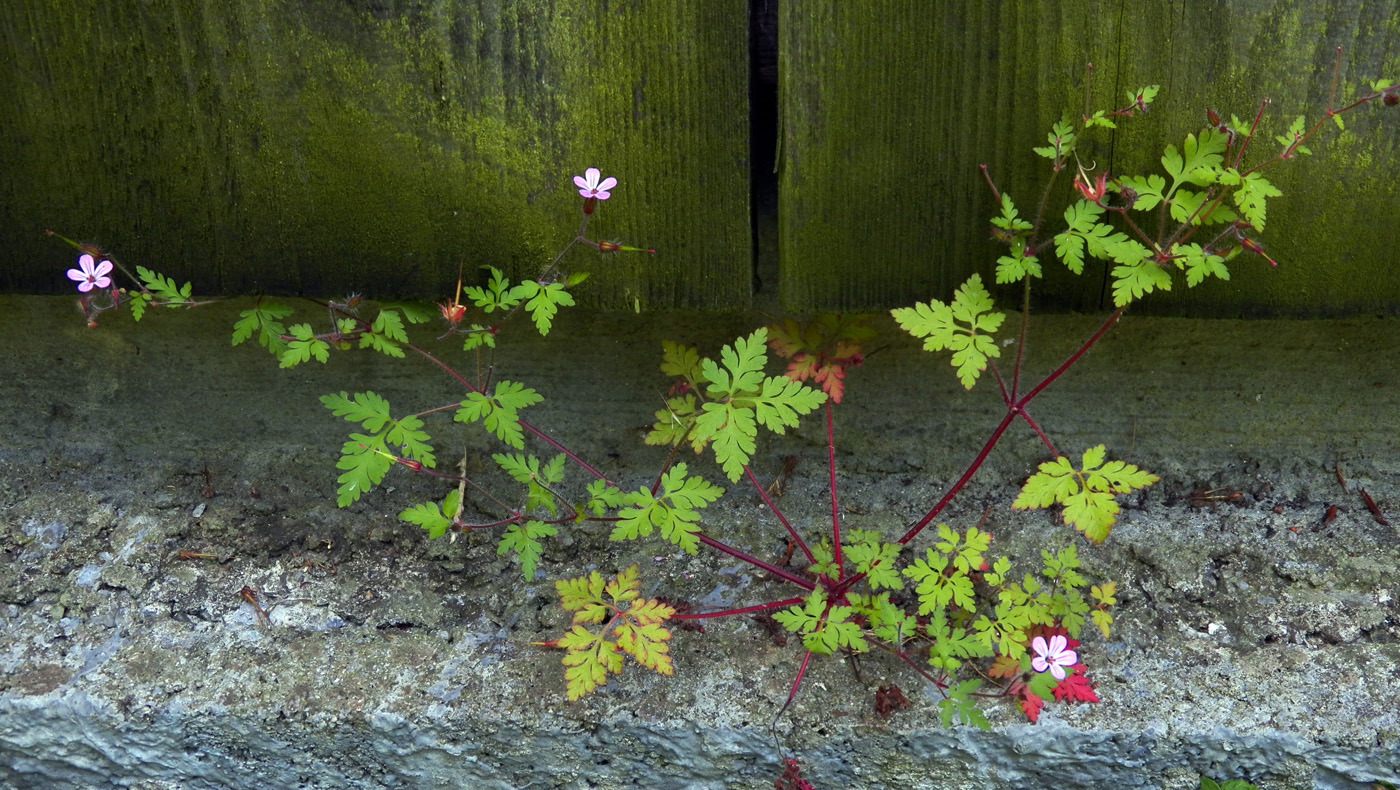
point(1253, 639)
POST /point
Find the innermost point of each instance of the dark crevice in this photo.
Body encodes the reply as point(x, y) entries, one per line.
point(763, 139)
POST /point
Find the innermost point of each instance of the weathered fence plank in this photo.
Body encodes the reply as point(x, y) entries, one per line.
point(318, 147)
point(889, 107)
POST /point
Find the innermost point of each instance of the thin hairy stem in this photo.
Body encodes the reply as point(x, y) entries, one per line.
point(762, 607)
point(792, 533)
point(757, 563)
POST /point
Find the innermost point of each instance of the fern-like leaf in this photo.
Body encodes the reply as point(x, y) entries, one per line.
point(675, 510)
point(435, 518)
point(500, 412)
point(264, 320)
point(1087, 493)
point(965, 327)
point(524, 540)
point(742, 398)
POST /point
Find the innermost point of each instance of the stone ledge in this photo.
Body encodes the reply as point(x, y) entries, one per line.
point(1251, 642)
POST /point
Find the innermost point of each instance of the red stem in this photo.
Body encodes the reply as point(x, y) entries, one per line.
point(757, 563)
point(762, 607)
point(769, 502)
point(525, 425)
point(1011, 413)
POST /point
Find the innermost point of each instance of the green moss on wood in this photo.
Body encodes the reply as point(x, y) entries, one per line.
point(315, 147)
point(889, 109)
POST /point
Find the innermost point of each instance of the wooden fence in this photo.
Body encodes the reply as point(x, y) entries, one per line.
point(318, 147)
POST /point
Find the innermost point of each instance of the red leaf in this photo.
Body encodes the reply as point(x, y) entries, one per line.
point(1076, 687)
point(1049, 631)
point(1031, 705)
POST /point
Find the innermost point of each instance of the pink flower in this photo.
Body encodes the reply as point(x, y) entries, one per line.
point(589, 186)
point(89, 276)
point(1054, 657)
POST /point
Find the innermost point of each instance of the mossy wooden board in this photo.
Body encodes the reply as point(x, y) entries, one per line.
point(322, 147)
point(889, 107)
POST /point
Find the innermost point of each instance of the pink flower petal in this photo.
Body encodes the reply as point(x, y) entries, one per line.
point(580, 182)
point(592, 174)
point(103, 269)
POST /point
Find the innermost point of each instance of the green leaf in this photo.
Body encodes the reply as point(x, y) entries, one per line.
point(477, 336)
point(432, 517)
point(499, 413)
point(602, 497)
point(733, 430)
point(1148, 190)
point(527, 469)
point(1199, 160)
point(1145, 95)
point(876, 560)
point(960, 707)
point(674, 422)
point(961, 327)
point(413, 312)
point(937, 587)
point(1061, 138)
point(1290, 140)
point(1191, 205)
point(1199, 264)
point(543, 301)
point(1018, 265)
point(806, 618)
point(680, 361)
point(742, 398)
point(1133, 282)
point(385, 334)
point(1086, 493)
point(366, 458)
point(675, 511)
point(743, 366)
point(836, 633)
point(305, 346)
point(951, 645)
point(265, 320)
point(163, 287)
point(524, 540)
point(1251, 195)
point(1010, 220)
point(781, 401)
point(1099, 119)
point(138, 302)
point(824, 629)
point(497, 295)
point(362, 467)
point(885, 620)
point(966, 557)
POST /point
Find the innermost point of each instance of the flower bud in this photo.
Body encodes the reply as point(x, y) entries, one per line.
point(589, 204)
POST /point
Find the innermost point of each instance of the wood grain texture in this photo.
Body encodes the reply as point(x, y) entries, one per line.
point(889, 107)
point(313, 147)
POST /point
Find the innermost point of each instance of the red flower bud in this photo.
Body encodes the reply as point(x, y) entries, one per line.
point(589, 204)
point(607, 246)
point(1391, 100)
point(453, 312)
